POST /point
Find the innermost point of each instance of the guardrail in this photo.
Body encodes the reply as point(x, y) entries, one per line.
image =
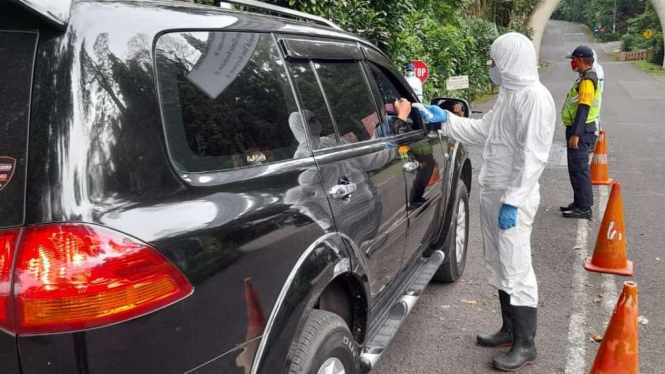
point(636, 55)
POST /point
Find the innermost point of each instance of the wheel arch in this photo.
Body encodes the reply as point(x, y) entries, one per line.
point(328, 268)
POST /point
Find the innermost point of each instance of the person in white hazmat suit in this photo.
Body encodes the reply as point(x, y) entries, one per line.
point(517, 134)
point(413, 81)
point(600, 72)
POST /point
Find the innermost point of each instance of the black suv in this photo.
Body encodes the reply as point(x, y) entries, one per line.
point(191, 189)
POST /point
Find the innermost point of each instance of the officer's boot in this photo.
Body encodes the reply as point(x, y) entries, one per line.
point(523, 351)
point(503, 337)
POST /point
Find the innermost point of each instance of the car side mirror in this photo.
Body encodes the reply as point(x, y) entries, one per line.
point(457, 106)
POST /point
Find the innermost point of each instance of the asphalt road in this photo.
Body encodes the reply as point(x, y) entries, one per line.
point(439, 336)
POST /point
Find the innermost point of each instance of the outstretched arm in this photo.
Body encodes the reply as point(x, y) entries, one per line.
point(467, 130)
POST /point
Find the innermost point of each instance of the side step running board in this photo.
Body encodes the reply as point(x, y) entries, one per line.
point(388, 328)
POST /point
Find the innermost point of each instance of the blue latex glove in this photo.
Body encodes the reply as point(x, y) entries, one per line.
point(432, 113)
point(507, 217)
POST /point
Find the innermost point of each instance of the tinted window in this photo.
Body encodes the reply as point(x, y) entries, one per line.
point(386, 88)
point(17, 53)
point(313, 103)
point(226, 100)
point(350, 100)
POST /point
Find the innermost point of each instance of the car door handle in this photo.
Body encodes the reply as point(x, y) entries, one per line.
point(410, 166)
point(342, 191)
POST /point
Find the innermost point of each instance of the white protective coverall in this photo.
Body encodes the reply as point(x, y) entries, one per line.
point(517, 134)
point(600, 72)
point(416, 85)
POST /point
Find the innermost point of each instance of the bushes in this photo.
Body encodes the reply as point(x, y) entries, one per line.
point(443, 33)
point(633, 39)
point(633, 18)
point(437, 32)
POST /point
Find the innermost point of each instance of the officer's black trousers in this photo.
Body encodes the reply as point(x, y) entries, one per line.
point(578, 167)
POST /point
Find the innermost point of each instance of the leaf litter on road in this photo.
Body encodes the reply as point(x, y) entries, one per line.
point(596, 338)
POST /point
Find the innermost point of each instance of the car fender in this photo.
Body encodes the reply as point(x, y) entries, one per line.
point(458, 156)
point(324, 260)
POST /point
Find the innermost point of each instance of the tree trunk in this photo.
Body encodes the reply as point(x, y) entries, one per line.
point(539, 17)
point(659, 7)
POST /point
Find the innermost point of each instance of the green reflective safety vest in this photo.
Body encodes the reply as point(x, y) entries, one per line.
point(570, 107)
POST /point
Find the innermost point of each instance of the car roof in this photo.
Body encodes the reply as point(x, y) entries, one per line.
point(57, 14)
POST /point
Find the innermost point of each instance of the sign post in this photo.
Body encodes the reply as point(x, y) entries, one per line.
point(460, 82)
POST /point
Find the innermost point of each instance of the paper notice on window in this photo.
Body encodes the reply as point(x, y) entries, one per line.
point(225, 56)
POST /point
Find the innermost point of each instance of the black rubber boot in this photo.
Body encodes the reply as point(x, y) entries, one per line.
point(503, 337)
point(523, 351)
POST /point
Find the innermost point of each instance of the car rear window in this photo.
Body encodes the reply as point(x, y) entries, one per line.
point(17, 55)
point(226, 100)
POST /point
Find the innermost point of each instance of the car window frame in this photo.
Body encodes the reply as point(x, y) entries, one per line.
point(363, 73)
point(300, 102)
point(363, 70)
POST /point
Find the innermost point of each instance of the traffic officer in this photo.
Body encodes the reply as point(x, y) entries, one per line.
point(579, 115)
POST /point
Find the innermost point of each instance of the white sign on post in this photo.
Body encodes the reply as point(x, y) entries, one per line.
point(460, 82)
point(225, 56)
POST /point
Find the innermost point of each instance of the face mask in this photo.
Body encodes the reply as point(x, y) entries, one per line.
point(495, 76)
point(574, 64)
point(410, 73)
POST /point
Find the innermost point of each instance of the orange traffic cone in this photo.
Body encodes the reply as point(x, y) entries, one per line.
point(436, 175)
point(618, 353)
point(600, 173)
point(609, 256)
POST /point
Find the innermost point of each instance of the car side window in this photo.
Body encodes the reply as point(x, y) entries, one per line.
point(390, 91)
point(313, 104)
point(349, 98)
point(226, 100)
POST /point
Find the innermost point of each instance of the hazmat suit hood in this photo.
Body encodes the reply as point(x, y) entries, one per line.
point(298, 127)
point(515, 57)
point(300, 133)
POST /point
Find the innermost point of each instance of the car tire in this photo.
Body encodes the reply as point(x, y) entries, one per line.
point(325, 341)
point(453, 266)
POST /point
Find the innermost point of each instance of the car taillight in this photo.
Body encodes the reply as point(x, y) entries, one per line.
point(70, 277)
point(7, 245)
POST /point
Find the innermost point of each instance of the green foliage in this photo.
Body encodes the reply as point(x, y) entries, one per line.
point(633, 17)
point(437, 32)
point(452, 36)
point(598, 13)
point(634, 40)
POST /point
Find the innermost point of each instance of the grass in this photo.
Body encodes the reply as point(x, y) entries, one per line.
point(589, 34)
point(652, 69)
point(484, 98)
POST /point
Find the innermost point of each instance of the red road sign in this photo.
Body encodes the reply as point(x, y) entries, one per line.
point(422, 70)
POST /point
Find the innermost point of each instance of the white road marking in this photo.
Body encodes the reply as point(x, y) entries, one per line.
point(609, 287)
point(576, 351)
